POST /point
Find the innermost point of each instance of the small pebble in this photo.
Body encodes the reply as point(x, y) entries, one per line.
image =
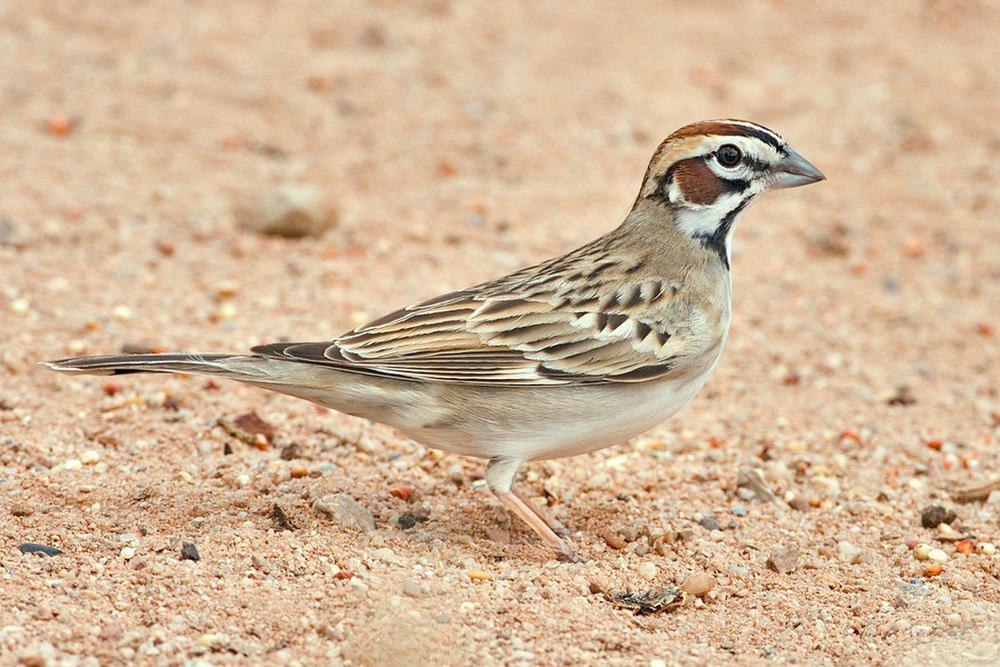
point(709, 522)
point(128, 553)
point(613, 539)
point(847, 551)
point(402, 492)
point(111, 632)
point(189, 551)
point(954, 619)
point(933, 570)
point(385, 554)
point(646, 570)
point(964, 547)
point(32, 548)
point(739, 510)
point(479, 576)
point(411, 519)
point(411, 589)
point(21, 509)
point(922, 551)
point(73, 464)
point(293, 211)
point(716, 536)
point(937, 555)
point(934, 515)
point(345, 511)
point(987, 548)
point(90, 457)
point(783, 561)
point(698, 584)
point(946, 533)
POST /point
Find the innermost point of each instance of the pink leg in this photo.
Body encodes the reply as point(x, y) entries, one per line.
point(544, 515)
point(499, 474)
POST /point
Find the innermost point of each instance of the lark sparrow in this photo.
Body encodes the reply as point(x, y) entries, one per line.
point(568, 356)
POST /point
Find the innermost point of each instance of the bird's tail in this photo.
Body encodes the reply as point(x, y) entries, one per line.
point(313, 382)
point(234, 366)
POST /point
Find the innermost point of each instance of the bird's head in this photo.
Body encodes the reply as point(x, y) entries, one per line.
point(707, 173)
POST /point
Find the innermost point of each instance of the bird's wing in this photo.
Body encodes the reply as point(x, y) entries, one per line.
point(572, 322)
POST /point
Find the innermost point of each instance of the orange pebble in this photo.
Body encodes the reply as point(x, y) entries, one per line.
point(59, 125)
point(933, 570)
point(915, 247)
point(112, 388)
point(935, 444)
point(298, 472)
point(319, 82)
point(850, 434)
point(964, 547)
point(403, 492)
point(261, 442)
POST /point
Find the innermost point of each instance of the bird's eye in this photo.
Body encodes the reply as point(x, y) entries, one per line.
point(729, 155)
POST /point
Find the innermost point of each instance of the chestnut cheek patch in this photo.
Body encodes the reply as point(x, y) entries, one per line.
point(697, 182)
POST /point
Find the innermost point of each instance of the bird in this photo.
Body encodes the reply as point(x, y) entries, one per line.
point(569, 356)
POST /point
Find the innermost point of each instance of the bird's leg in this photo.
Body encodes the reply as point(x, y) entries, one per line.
point(499, 475)
point(557, 527)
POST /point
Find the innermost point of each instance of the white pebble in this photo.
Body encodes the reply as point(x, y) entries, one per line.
point(646, 570)
point(73, 464)
point(922, 551)
point(243, 479)
point(90, 457)
point(847, 551)
point(954, 619)
point(385, 554)
point(937, 555)
point(128, 553)
point(122, 312)
point(716, 535)
point(987, 548)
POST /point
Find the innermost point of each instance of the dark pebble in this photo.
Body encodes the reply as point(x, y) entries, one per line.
point(709, 523)
point(408, 521)
point(280, 518)
point(32, 548)
point(934, 515)
point(189, 551)
point(903, 396)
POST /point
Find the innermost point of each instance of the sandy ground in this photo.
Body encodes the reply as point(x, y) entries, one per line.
point(458, 141)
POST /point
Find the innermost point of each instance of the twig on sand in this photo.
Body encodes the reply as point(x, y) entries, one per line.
point(974, 493)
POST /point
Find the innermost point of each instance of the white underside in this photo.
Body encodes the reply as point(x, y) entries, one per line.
point(568, 421)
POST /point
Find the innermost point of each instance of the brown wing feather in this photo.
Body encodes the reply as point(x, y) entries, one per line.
point(581, 319)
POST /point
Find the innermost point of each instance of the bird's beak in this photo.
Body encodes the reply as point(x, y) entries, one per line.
point(794, 170)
